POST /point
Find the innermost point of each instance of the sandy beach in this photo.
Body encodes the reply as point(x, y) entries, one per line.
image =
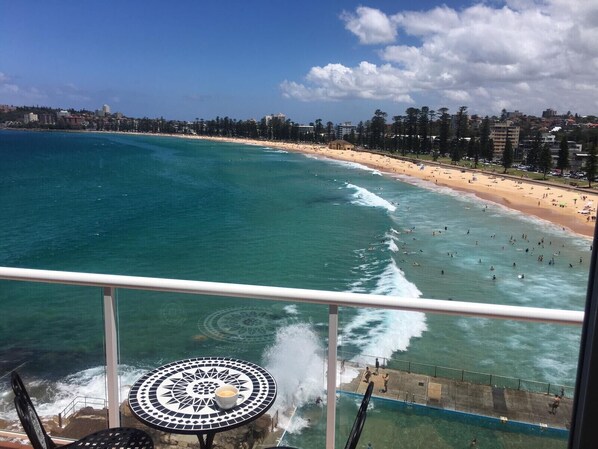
point(573, 209)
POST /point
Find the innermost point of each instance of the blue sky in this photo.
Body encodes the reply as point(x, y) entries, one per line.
point(338, 61)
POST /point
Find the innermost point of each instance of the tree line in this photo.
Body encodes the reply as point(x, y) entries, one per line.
point(417, 132)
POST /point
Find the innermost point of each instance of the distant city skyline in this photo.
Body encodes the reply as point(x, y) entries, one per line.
point(309, 60)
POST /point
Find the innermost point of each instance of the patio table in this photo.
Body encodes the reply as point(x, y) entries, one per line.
point(179, 397)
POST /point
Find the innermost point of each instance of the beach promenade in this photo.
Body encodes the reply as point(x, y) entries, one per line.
point(484, 400)
point(502, 404)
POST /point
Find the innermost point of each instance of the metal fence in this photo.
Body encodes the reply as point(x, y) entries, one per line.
point(80, 402)
point(463, 375)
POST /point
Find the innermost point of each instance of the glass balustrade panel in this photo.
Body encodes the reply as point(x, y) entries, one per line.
point(53, 336)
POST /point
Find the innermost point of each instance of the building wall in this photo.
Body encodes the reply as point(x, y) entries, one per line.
point(340, 145)
point(499, 133)
point(30, 117)
point(344, 129)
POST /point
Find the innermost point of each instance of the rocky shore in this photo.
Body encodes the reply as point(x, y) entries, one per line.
point(257, 434)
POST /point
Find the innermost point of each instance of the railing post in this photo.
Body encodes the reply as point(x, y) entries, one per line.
point(111, 343)
point(331, 377)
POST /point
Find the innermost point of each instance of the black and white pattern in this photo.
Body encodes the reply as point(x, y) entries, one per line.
point(250, 325)
point(179, 397)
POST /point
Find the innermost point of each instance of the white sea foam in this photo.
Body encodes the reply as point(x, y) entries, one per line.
point(555, 368)
point(354, 165)
point(364, 197)
point(378, 332)
point(89, 383)
point(291, 309)
point(297, 362)
point(493, 207)
point(390, 241)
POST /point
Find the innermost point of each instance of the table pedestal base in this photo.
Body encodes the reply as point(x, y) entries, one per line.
point(206, 440)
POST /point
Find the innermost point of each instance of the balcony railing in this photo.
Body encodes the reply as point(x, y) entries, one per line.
point(110, 283)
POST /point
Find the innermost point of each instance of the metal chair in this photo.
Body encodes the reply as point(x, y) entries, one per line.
point(357, 424)
point(115, 438)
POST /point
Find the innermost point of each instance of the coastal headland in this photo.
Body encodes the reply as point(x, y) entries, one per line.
point(569, 207)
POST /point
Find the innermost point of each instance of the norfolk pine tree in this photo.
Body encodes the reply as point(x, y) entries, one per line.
point(507, 155)
point(443, 137)
point(592, 163)
point(545, 159)
point(563, 163)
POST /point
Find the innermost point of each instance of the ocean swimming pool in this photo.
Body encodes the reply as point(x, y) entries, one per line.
point(393, 424)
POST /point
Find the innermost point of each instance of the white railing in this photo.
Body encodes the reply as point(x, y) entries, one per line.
point(109, 284)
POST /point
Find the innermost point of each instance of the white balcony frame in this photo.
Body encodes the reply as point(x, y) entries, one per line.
point(109, 284)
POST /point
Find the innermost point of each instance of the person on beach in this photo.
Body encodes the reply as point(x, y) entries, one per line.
point(555, 405)
point(368, 374)
point(385, 379)
point(377, 366)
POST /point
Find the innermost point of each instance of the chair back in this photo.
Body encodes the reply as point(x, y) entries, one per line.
point(360, 419)
point(29, 419)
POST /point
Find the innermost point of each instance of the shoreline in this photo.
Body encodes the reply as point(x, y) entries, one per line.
point(558, 205)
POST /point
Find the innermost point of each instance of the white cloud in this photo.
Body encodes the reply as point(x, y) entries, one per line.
point(14, 94)
point(459, 96)
point(428, 22)
point(336, 82)
point(370, 25)
point(527, 55)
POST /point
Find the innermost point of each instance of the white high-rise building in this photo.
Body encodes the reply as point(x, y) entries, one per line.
point(106, 109)
point(30, 117)
point(344, 129)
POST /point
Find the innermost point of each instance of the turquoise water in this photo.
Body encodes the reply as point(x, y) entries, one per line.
point(190, 209)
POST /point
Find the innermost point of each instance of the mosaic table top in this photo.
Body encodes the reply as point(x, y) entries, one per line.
point(179, 397)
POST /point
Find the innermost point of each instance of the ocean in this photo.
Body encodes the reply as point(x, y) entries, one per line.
point(202, 210)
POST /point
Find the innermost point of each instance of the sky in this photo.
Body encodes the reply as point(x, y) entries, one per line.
point(334, 60)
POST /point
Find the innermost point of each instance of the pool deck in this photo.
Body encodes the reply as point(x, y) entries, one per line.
point(449, 394)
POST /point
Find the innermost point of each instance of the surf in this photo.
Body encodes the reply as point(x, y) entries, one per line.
point(364, 197)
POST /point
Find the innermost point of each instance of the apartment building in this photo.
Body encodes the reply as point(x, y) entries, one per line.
point(499, 133)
